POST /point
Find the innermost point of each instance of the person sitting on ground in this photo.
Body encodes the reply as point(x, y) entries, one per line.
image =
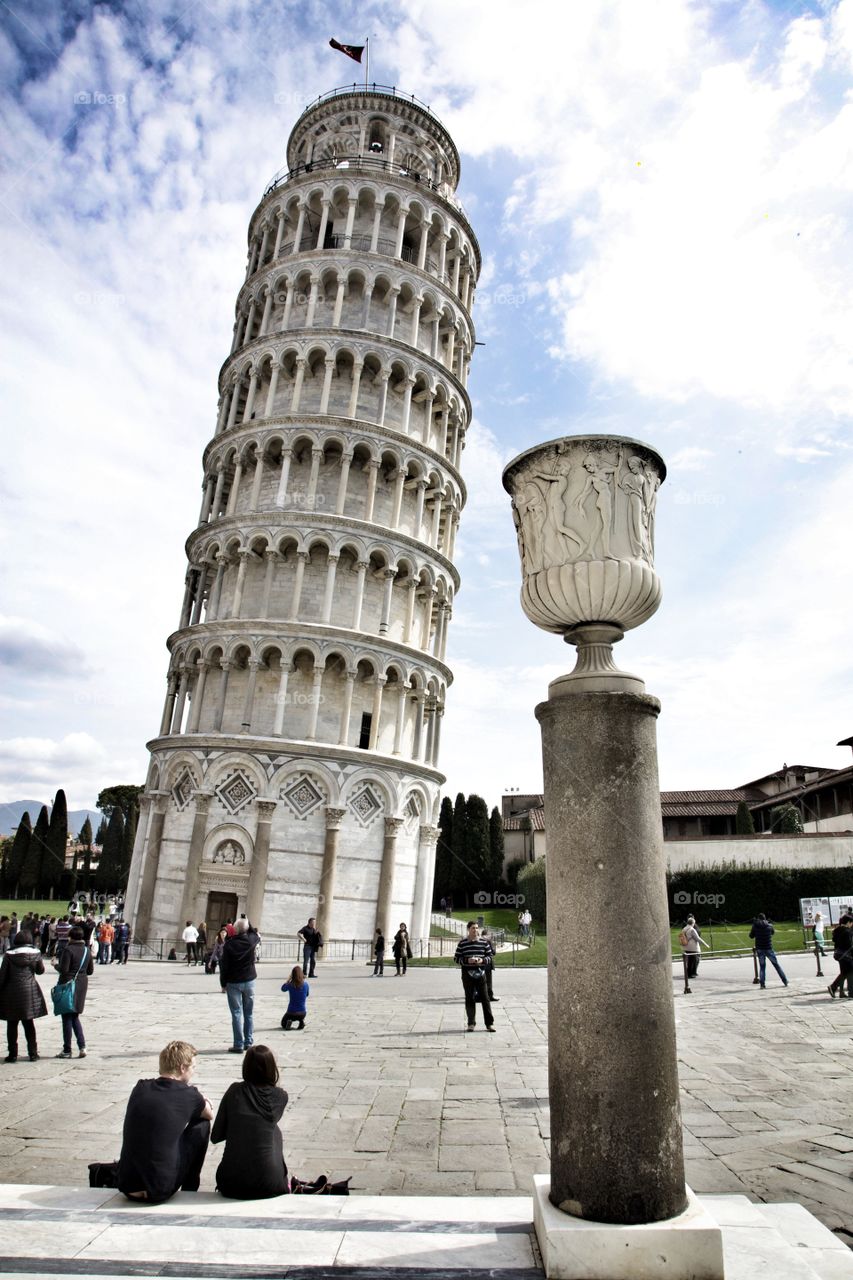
point(166, 1131)
point(297, 990)
point(252, 1165)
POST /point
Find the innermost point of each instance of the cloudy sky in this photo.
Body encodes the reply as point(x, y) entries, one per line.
point(662, 194)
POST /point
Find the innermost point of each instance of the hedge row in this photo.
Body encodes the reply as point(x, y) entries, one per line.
point(724, 891)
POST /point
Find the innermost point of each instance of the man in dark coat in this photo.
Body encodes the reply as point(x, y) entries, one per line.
point(762, 932)
point(237, 975)
point(21, 998)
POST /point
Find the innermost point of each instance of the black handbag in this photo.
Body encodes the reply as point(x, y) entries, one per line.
point(103, 1175)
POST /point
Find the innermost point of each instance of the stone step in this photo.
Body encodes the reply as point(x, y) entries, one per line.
point(51, 1231)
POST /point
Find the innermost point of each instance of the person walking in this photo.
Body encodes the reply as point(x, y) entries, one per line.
point(4, 934)
point(190, 937)
point(216, 954)
point(690, 940)
point(472, 955)
point(252, 1165)
point(379, 954)
point(842, 950)
point(297, 995)
point(106, 937)
point(201, 942)
point(237, 974)
point(63, 928)
point(312, 941)
point(762, 932)
point(77, 963)
point(21, 998)
point(401, 949)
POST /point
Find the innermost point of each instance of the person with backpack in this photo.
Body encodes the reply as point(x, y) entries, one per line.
point(691, 941)
point(842, 950)
point(762, 932)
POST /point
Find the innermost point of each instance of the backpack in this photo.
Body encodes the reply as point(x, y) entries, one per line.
point(683, 939)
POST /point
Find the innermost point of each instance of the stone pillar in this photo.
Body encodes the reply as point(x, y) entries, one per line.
point(376, 712)
point(246, 723)
point(372, 470)
point(301, 561)
point(346, 709)
point(346, 463)
point(273, 387)
point(198, 695)
point(223, 692)
point(385, 620)
point(265, 318)
point(257, 479)
point(334, 818)
point(616, 1127)
point(235, 484)
point(281, 700)
point(385, 896)
point(271, 558)
point(316, 694)
point(331, 570)
point(327, 384)
point(260, 862)
point(398, 722)
point(286, 459)
point(151, 865)
point(423, 881)
point(191, 875)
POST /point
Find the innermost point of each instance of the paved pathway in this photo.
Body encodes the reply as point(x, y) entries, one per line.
point(386, 1085)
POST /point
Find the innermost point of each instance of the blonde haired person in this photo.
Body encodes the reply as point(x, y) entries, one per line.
point(166, 1130)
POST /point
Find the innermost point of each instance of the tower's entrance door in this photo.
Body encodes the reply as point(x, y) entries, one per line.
point(220, 907)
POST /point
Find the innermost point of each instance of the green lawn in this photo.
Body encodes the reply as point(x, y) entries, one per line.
point(25, 905)
point(723, 938)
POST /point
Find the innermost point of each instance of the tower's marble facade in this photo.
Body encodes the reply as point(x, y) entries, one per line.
point(296, 767)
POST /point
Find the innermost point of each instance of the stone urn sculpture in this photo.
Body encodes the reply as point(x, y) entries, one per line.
point(584, 512)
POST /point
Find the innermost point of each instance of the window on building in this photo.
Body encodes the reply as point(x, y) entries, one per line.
point(364, 734)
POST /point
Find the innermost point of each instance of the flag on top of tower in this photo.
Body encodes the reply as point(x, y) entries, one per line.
point(353, 51)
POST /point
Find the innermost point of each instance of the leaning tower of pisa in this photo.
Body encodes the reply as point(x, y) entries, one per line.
point(295, 772)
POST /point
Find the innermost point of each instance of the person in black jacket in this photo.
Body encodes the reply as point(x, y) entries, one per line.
point(762, 931)
point(252, 1166)
point(75, 964)
point(842, 949)
point(237, 975)
point(21, 998)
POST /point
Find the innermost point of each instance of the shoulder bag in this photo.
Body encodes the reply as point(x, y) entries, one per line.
point(63, 993)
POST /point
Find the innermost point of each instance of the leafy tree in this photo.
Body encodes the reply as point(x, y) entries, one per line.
point(53, 862)
point(786, 819)
point(30, 878)
point(443, 851)
point(496, 845)
point(108, 874)
point(123, 796)
point(18, 855)
point(744, 825)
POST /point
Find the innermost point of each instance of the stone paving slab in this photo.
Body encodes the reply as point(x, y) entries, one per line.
point(415, 1110)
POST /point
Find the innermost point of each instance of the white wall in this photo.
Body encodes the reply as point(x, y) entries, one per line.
point(751, 851)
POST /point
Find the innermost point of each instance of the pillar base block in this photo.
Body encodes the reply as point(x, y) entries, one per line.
point(689, 1247)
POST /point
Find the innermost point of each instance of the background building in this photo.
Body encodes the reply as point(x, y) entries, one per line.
point(296, 768)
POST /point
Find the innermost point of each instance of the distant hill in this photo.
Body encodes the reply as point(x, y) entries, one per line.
point(11, 812)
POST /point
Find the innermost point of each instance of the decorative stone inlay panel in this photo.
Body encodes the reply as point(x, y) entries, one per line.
point(303, 796)
point(412, 813)
point(366, 805)
point(236, 791)
point(182, 790)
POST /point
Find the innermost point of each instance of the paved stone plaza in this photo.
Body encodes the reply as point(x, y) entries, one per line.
point(385, 1084)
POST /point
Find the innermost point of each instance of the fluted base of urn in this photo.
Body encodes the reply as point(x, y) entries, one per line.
point(595, 670)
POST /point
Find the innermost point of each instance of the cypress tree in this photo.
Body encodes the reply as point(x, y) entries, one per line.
point(744, 825)
point(108, 874)
point(30, 878)
point(496, 845)
point(101, 833)
point(478, 853)
point(131, 821)
point(459, 851)
point(18, 855)
point(53, 863)
point(85, 839)
point(443, 851)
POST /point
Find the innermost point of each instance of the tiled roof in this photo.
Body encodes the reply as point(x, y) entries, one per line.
point(536, 816)
point(702, 804)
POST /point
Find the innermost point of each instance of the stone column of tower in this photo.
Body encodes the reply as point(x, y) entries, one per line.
point(295, 773)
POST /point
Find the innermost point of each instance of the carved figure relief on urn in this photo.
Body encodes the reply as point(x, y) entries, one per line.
point(584, 512)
